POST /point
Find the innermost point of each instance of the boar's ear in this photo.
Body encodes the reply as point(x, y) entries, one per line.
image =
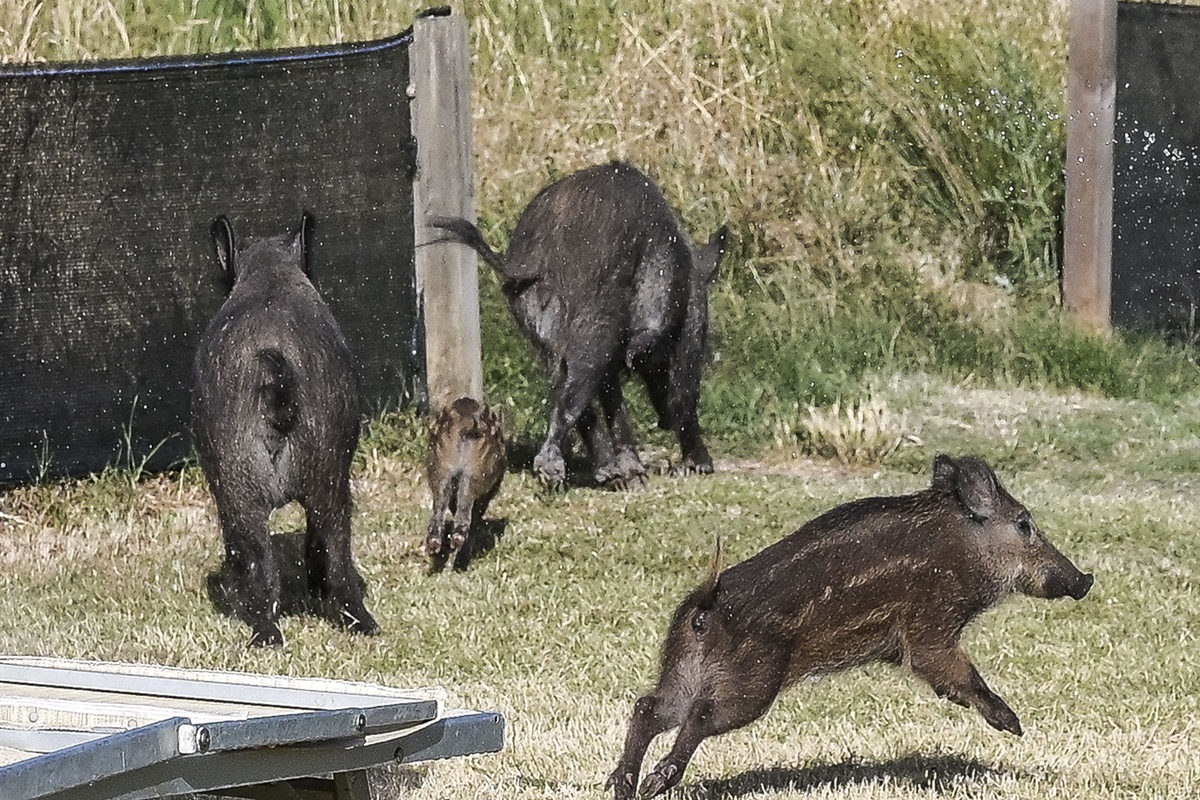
point(944, 471)
point(708, 258)
point(222, 234)
point(972, 482)
point(304, 241)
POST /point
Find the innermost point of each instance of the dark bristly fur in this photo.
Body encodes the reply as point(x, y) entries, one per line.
point(893, 579)
point(602, 279)
point(276, 419)
point(467, 459)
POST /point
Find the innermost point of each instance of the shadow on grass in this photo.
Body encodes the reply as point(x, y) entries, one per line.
point(920, 771)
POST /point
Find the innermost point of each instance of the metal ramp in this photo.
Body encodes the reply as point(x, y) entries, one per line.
point(77, 730)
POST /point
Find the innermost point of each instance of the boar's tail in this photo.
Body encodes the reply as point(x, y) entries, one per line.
point(278, 390)
point(705, 595)
point(464, 232)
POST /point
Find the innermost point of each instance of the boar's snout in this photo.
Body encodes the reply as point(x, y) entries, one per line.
point(1061, 578)
point(1074, 586)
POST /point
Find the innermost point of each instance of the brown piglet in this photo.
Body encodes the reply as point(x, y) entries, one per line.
point(467, 459)
point(893, 579)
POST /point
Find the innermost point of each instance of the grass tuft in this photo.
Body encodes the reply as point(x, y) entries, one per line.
point(857, 434)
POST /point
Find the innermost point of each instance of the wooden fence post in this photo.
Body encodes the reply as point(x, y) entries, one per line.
point(447, 277)
point(1091, 113)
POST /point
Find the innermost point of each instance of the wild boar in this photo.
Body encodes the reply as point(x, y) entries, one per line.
point(276, 419)
point(467, 459)
point(603, 281)
point(892, 579)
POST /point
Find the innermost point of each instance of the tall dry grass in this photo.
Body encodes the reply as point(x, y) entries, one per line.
point(892, 169)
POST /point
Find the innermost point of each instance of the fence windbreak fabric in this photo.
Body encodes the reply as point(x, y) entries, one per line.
point(111, 176)
point(1156, 169)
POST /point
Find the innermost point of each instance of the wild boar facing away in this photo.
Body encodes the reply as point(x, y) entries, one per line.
point(892, 579)
point(602, 279)
point(276, 419)
point(467, 459)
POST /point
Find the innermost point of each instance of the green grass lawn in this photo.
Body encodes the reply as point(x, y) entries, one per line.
point(558, 627)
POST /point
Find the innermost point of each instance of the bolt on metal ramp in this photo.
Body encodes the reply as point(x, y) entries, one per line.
point(81, 730)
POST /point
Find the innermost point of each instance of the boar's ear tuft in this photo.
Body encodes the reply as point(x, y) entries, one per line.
point(972, 481)
point(222, 234)
point(304, 240)
point(708, 258)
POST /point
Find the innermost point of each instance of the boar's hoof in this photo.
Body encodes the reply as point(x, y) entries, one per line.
point(689, 467)
point(660, 779)
point(267, 635)
point(631, 468)
point(551, 469)
point(1003, 718)
point(435, 537)
point(434, 545)
point(356, 619)
point(623, 783)
point(626, 483)
point(458, 538)
point(619, 480)
point(696, 461)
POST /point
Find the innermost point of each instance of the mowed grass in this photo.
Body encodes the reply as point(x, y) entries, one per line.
point(892, 171)
point(559, 626)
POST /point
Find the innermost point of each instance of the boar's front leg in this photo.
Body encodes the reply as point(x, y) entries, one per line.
point(676, 407)
point(694, 456)
point(949, 671)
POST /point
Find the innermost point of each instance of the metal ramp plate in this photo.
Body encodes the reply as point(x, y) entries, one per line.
point(77, 730)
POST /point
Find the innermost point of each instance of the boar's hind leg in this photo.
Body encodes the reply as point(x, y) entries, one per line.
point(613, 446)
point(705, 717)
point(733, 707)
point(249, 557)
point(629, 466)
point(952, 675)
point(574, 389)
point(649, 720)
point(463, 507)
point(331, 573)
point(595, 436)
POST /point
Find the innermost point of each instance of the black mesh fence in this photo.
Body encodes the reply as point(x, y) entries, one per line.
point(110, 178)
point(1156, 169)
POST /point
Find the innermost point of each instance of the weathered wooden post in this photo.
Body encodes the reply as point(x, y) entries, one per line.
point(447, 278)
point(1091, 111)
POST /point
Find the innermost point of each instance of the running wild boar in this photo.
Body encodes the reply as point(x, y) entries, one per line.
point(892, 579)
point(602, 279)
point(467, 459)
point(276, 419)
